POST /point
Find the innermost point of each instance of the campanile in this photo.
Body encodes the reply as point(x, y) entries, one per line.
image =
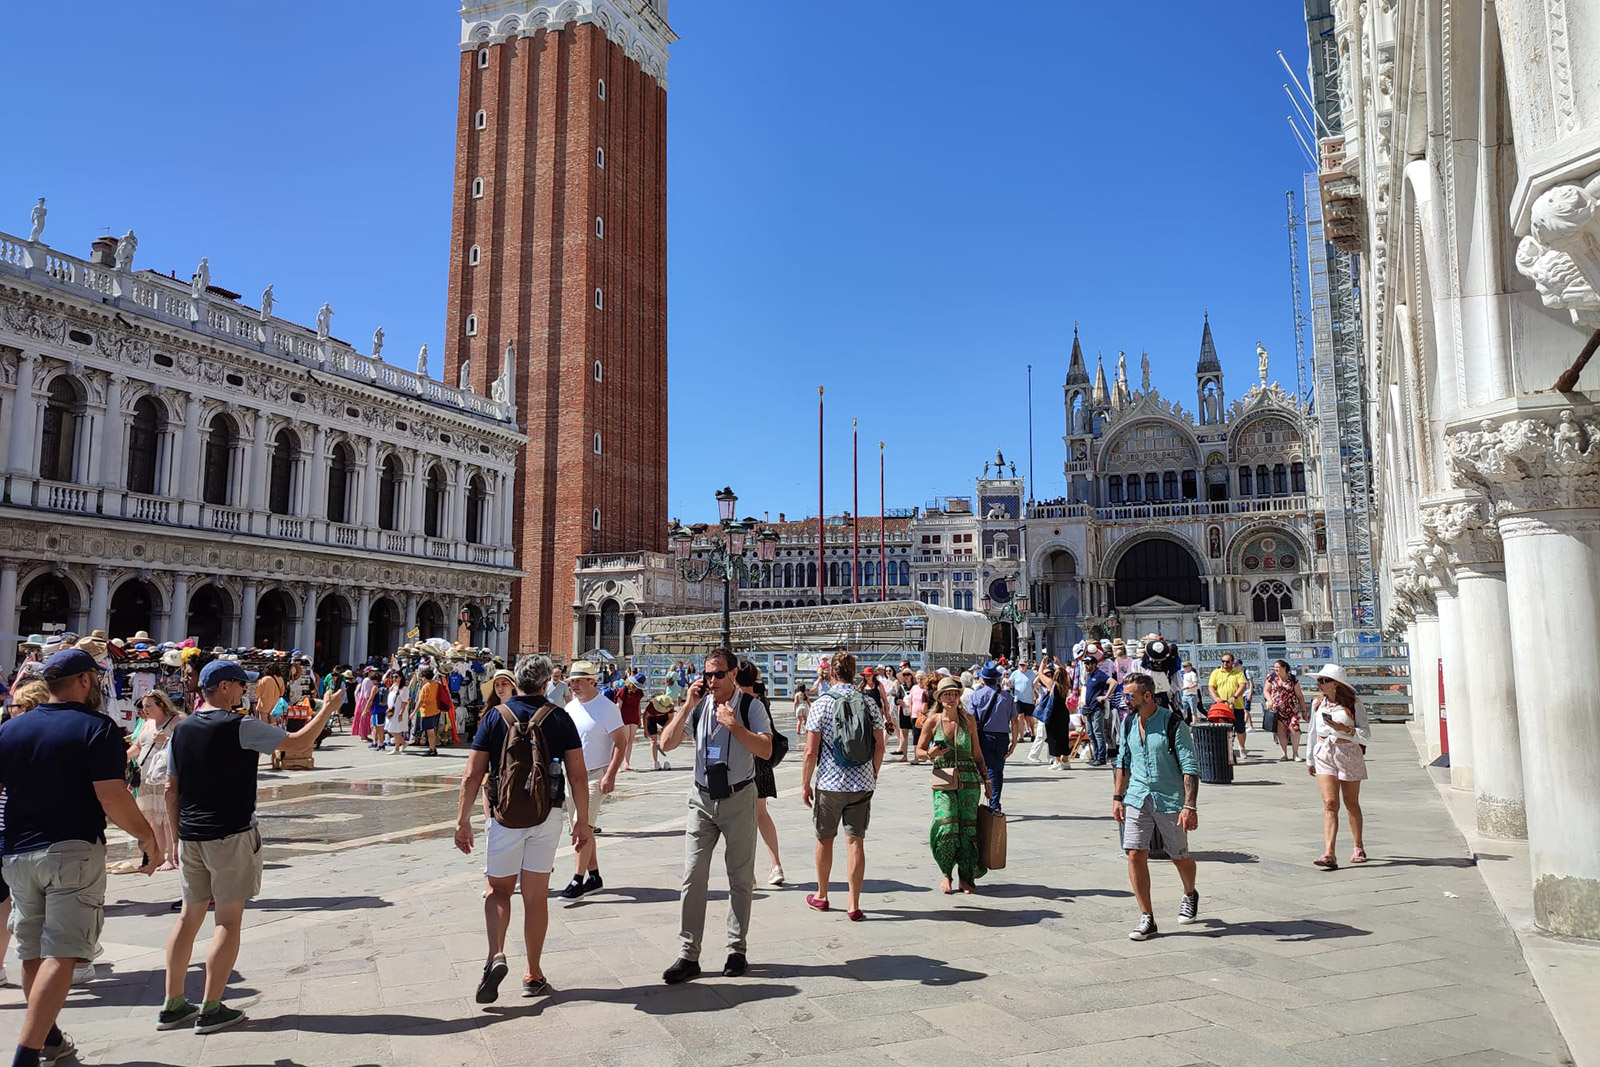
point(558, 253)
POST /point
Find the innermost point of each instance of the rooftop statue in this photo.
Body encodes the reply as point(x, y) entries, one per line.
point(266, 303)
point(422, 361)
point(377, 343)
point(201, 280)
point(324, 321)
point(39, 213)
point(127, 245)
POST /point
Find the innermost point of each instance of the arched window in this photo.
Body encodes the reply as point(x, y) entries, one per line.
point(280, 474)
point(474, 256)
point(388, 492)
point(869, 572)
point(1152, 488)
point(1246, 483)
point(483, 57)
point(1169, 485)
point(1135, 493)
point(599, 299)
point(339, 471)
point(599, 372)
point(433, 504)
point(1263, 480)
point(1297, 477)
point(477, 188)
point(1114, 489)
point(477, 497)
point(218, 460)
point(472, 325)
point(811, 575)
point(599, 226)
point(597, 443)
point(58, 437)
point(481, 120)
point(600, 158)
point(144, 445)
point(1280, 480)
point(1269, 601)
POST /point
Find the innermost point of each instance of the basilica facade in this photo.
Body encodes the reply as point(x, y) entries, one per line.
point(1204, 527)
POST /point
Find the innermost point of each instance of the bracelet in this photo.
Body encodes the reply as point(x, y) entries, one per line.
point(1190, 807)
point(1117, 797)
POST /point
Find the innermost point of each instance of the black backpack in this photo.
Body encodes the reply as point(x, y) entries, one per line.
point(1173, 722)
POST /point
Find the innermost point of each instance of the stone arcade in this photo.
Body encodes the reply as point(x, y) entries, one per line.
point(1470, 186)
point(189, 466)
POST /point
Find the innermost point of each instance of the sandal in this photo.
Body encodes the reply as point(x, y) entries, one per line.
point(1358, 856)
point(1326, 860)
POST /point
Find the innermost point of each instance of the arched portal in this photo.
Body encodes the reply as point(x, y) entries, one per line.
point(210, 618)
point(333, 626)
point(1162, 568)
point(133, 608)
point(274, 620)
point(383, 628)
point(47, 606)
point(611, 627)
point(430, 619)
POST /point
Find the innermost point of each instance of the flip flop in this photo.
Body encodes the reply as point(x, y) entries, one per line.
point(1358, 856)
point(1326, 860)
point(816, 903)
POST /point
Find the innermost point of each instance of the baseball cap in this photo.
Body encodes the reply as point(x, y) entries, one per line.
point(68, 662)
point(223, 670)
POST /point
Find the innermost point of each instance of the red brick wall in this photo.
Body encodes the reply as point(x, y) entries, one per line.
point(540, 264)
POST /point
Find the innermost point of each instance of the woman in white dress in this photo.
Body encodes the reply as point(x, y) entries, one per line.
point(1336, 745)
point(398, 722)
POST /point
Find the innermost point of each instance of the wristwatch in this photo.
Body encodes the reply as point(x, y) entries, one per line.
point(1117, 797)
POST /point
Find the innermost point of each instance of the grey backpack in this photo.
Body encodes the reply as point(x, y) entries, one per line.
point(853, 740)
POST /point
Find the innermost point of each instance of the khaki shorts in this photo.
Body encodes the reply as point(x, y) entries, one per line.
point(830, 807)
point(58, 900)
point(596, 799)
point(225, 870)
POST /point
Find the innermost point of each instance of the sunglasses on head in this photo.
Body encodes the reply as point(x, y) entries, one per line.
point(712, 676)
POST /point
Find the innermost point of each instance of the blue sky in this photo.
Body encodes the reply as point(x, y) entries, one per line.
point(908, 206)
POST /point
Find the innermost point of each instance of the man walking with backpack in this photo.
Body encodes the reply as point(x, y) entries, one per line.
point(529, 749)
point(1157, 788)
point(845, 743)
point(600, 728)
point(998, 727)
point(727, 741)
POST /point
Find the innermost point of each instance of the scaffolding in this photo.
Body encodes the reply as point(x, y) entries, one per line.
point(1337, 362)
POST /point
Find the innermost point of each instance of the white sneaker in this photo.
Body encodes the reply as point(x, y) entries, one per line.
point(666, 766)
point(777, 876)
point(1036, 759)
point(83, 974)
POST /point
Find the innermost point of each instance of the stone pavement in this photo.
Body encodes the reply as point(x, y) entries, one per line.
point(367, 942)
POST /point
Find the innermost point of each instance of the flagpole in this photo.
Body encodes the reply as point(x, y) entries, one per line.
point(1029, 494)
point(883, 536)
point(855, 511)
point(822, 519)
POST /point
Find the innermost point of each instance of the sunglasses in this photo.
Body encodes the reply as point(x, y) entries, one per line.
point(712, 676)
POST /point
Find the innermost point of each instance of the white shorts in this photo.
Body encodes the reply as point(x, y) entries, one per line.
point(596, 799)
point(512, 851)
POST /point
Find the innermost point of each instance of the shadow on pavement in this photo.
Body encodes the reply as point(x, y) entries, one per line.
point(976, 916)
point(1290, 931)
point(1430, 861)
point(607, 895)
point(319, 904)
point(1224, 857)
point(1058, 818)
point(1004, 890)
point(919, 969)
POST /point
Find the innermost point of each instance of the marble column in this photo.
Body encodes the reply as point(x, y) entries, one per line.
point(368, 519)
point(363, 623)
point(247, 614)
point(1457, 709)
point(100, 600)
point(308, 624)
point(8, 615)
point(178, 616)
point(412, 603)
point(22, 455)
point(255, 494)
point(317, 504)
point(113, 448)
point(1425, 676)
point(1537, 458)
point(1464, 528)
point(186, 465)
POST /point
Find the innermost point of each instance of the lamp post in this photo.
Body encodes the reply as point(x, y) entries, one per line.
point(726, 557)
point(1013, 611)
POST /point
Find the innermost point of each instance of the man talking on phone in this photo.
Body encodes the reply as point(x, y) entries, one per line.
point(721, 804)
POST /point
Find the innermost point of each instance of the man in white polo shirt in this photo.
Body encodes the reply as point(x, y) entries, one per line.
point(604, 737)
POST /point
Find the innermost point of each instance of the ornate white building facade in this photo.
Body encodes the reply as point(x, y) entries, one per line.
point(1205, 528)
point(1465, 167)
point(178, 463)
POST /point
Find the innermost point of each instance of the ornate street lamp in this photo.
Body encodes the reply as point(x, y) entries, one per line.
point(725, 557)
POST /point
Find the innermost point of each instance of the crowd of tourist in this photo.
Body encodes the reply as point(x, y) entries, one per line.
point(547, 746)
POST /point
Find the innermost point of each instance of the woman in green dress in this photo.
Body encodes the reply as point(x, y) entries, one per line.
point(948, 741)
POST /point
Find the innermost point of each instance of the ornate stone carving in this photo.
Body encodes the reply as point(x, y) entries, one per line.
point(25, 318)
point(1531, 464)
point(1465, 531)
point(645, 38)
point(1562, 254)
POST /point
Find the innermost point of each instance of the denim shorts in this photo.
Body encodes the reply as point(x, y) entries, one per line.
point(58, 899)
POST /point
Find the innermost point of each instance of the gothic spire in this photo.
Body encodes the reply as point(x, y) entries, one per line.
point(1077, 372)
point(1208, 351)
point(1101, 398)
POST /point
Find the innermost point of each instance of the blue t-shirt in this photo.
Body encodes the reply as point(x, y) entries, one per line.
point(559, 734)
point(50, 759)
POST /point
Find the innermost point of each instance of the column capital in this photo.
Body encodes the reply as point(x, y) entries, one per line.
point(1462, 528)
point(1540, 454)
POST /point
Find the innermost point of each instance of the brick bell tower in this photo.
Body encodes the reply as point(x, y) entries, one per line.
point(559, 244)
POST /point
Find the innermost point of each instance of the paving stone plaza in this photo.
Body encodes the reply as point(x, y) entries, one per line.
point(367, 940)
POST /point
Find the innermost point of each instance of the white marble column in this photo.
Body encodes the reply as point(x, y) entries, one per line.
point(254, 498)
point(113, 447)
point(1537, 459)
point(1457, 707)
point(308, 623)
point(416, 494)
point(186, 466)
point(363, 624)
point(8, 614)
point(22, 453)
point(412, 603)
point(100, 600)
point(1425, 677)
point(317, 504)
point(368, 519)
point(247, 614)
point(178, 617)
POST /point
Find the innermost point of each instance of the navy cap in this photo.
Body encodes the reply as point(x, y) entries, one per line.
point(223, 670)
point(67, 663)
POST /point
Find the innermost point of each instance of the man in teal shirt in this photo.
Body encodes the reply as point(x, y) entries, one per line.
point(1157, 786)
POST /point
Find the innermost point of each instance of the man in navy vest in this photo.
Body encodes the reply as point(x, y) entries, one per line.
point(211, 797)
point(998, 727)
point(62, 765)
